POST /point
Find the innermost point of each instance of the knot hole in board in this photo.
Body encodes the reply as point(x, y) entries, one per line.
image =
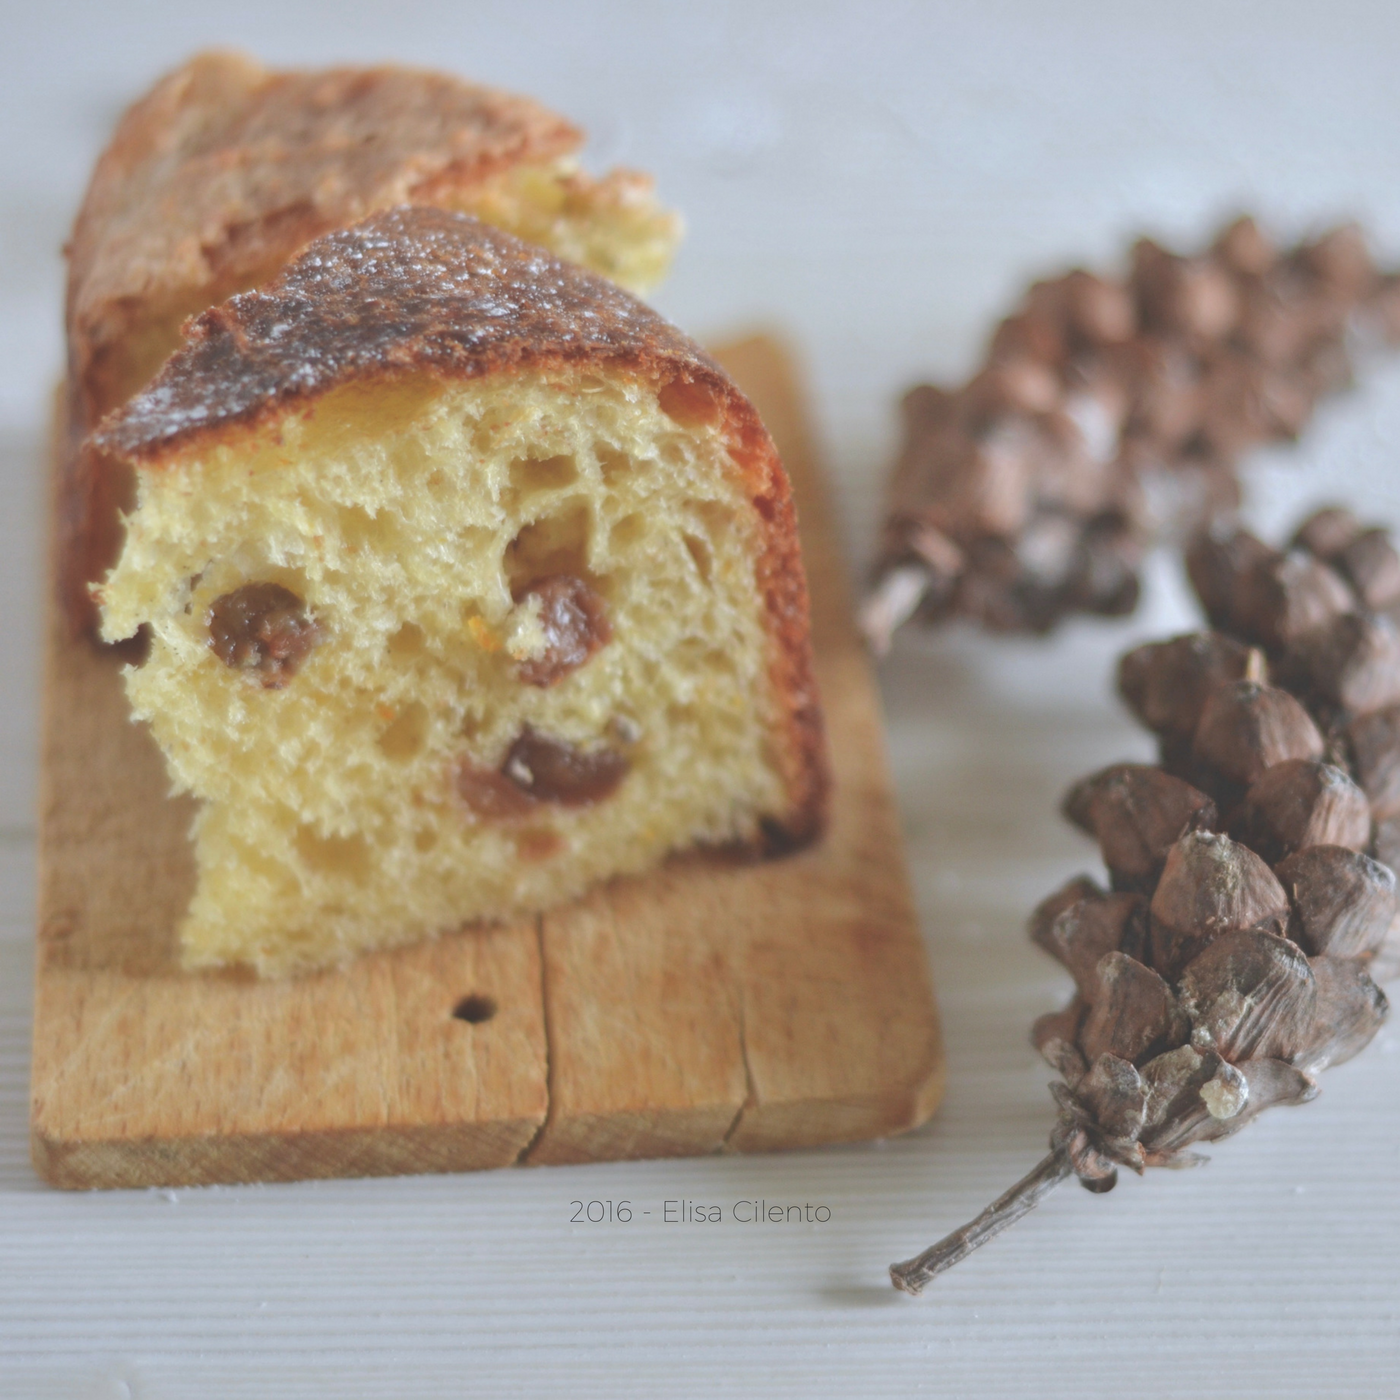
point(474, 1009)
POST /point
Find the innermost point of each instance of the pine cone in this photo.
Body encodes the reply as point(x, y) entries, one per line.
point(1109, 411)
point(1231, 959)
point(1326, 611)
point(1224, 994)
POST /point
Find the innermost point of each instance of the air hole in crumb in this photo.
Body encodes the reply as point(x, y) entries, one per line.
point(691, 654)
point(700, 553)
point(407, 641)
point(627, 532)
point(689, 403)
point(715, 518)
point(407, 733)
point(190, 586)
point(614, 465)
point(474, 1009)
point(558, 544)
point(529, 475)
point(334, 855)
point(424, 839)
point(360, 528)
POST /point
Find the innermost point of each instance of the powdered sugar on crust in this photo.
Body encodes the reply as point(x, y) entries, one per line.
point(411, 289)
point(226, 167)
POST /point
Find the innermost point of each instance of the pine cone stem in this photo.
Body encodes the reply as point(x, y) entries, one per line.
point(914, 1275)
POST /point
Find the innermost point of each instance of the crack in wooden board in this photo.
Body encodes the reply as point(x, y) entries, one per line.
point(709, 1006)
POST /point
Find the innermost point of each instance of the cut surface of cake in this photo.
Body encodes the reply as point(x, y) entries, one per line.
point(469, 582)
point(225, 169)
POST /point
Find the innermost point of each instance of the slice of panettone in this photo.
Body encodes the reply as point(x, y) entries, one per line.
point(225, 169)
point(469, 582)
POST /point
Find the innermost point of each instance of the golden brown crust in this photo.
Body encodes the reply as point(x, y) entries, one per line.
point(412, 289)
point(215, 177)
point(421, 290)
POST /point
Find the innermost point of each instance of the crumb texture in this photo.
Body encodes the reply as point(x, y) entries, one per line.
point(432, 651)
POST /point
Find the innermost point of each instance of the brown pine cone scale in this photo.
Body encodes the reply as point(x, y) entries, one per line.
point(1344, 904)
point(1373, 744)
point(1246, 728)
point(1136, 812)
point(1301, 803)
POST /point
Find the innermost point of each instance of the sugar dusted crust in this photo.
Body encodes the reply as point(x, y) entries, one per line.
point(226, 168)
point(412, 289)
point(418, 291)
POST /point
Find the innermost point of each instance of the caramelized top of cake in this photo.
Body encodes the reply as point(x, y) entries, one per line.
point(226, 167)
point(413, 288)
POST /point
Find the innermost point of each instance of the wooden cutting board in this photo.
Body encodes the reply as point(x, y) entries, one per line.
point(711, 1006)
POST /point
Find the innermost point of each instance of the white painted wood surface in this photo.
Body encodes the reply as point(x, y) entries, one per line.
point(877, 180)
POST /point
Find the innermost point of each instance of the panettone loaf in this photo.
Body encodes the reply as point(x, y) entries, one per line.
point(225, 169)
point(469, 582)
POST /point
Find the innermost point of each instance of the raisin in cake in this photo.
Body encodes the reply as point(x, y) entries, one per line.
point(225, 169)
point(469, 582)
